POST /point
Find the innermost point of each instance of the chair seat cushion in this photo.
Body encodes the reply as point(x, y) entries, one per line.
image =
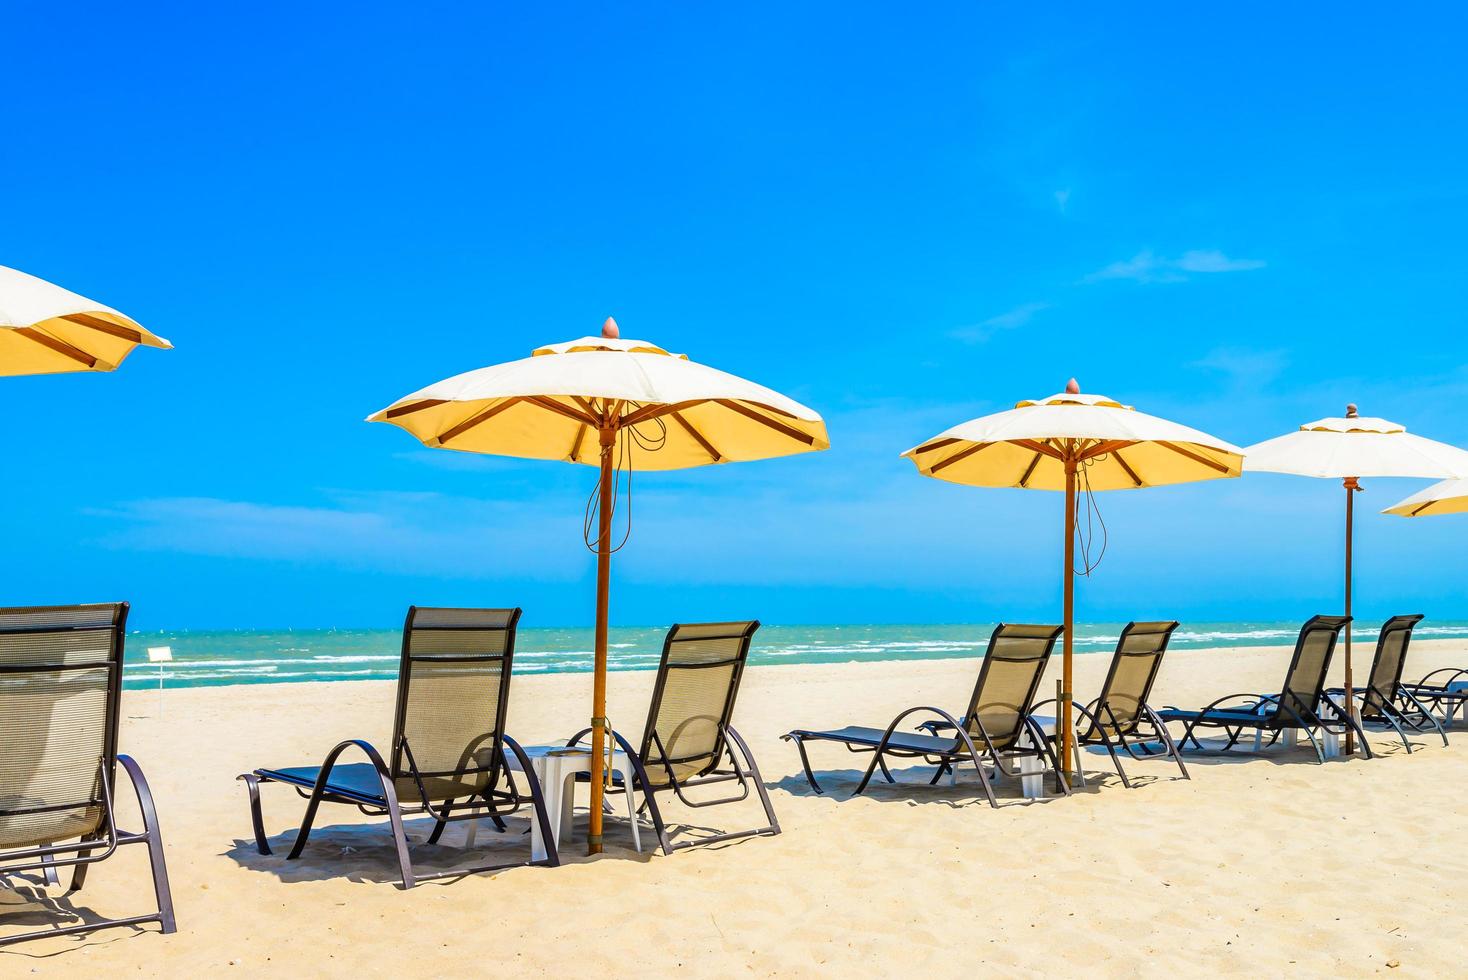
point(1223, 716)
point(872, 737)
point(360, 779)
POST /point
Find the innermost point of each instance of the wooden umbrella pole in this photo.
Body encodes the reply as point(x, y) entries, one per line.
point(1351, 485)
point(599, 676)
point(1067, 645)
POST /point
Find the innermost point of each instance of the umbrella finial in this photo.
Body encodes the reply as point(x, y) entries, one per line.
point(1072, 388)
point(1351, 410)
point(609, 329)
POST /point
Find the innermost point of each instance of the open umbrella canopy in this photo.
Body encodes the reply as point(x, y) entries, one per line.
point(1447, 497)
point(551, 404)
point(1072, 442)
point(618, 405)
point(1355, 446)
point(1119, 448)
point(45, 329)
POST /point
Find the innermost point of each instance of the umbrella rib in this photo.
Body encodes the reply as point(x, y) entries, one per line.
point(1420, 508)
point(779, 427)
point(1102, 448)
point(576, 443)
point(99, 324)
point(585, 404)
point(928, 447)
point(474, 420)
point(698, 437)
point(1029, 471)
point(1194, 456)
point(59, 346)
point(1129, 471)
point(649, 412)
point(1039, 447)
point(962, 454)
point(398, 411)
point(551, 405)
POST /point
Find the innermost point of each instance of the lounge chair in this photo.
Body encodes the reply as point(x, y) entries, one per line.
point(1120, 716)
point(1301, 706)
point(688, 740)
point(996, 727)
point(449, 745)
point(60, 687)
point(1385, 702)
point(1444, 690)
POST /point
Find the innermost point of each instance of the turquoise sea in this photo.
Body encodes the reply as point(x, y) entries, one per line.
point(216, 658)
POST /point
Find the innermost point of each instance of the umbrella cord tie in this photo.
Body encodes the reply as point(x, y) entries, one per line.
point(1086, 535)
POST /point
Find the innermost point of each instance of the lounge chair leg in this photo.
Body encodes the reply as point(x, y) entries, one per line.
point(252, 783)
point(154, 836)
point(537, 804)
point(804, 762)
point(1314, 744)
point(886, 773)
point(753, 773)
point(1116, 761)
point(1172, 748)
point(49, 871)
point(79, 873)
point(439, 827)
point(1075, 751)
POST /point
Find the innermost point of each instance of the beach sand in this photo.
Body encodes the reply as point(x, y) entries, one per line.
point(1261, 865)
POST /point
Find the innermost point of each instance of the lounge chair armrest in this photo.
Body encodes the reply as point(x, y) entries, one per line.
point(1259, 700)
point(948, 720)
point(367, 749)
point(934, 727)
point(1453, 673)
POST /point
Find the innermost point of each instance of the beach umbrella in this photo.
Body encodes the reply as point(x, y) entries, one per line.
point(1348, 449)
point(619, 405)
point(1078, 444)
point(1447, 497)
point(45, 329)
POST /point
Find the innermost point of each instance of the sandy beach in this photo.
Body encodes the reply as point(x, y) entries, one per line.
point(1265, 864)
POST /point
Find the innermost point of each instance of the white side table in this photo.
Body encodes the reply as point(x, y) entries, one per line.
point(556, 767)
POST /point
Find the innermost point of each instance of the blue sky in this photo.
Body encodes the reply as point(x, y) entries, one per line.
point(1238, 219)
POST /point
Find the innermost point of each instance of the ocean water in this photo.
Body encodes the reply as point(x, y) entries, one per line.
point(216, 658)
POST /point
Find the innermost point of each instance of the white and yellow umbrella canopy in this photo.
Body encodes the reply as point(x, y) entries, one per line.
point(1116, 447)
point(45, 329)
point(552, 404)
point(1447, 497)
point(1357, 446)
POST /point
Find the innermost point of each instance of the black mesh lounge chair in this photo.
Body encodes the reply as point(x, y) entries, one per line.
point(60, 685)
point(1299, 706)
point(998, 716)
point(1385, 702)
point(1121, 716)
point(1444, 690)
point(448, 744)
point(688, 740)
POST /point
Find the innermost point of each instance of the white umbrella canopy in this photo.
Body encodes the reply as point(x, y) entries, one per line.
point(1028, 445)
point(551, 405)
point(619, 405)
point(1447, 497)
point(1348, 448)
point(1352, 446)
point(1073, 441)
point(45, 329)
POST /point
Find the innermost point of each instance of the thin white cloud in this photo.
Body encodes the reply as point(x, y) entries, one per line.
point(1062, 199)
point(1148, 267)
point(978, 333)
point(1243, 367)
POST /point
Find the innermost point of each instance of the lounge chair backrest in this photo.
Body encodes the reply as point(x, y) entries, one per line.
point(1306, 679)
point(1134, 668)
point(1386, 669)
point(453, 690)
point(1008, 679)
point(693, 699)
point(60, 681)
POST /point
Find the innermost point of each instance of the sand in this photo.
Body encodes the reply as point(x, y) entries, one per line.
point(1260, 865)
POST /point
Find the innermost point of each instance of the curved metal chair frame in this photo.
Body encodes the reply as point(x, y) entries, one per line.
point(730, 761)
point(1385, 702)
point(972, 742)
point(493, 801)
point(80, 856)
point(1272, 713)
